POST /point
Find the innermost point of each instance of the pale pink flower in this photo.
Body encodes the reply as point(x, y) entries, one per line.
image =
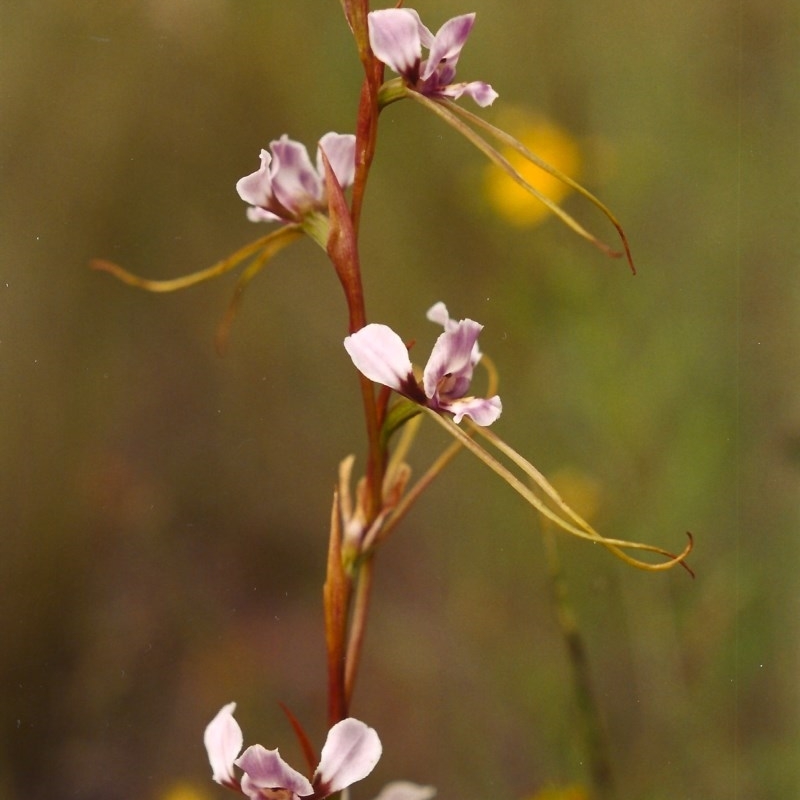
point(397, 37)
point(349, 754)
point(380, 354)
point(288, 186)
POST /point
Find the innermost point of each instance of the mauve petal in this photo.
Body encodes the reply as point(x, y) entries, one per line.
point(406, 790)
point(223, 741)
point(452, 356)
point(380, 354)
point(256, 188)
point(265, 769)
point(295, 182)
point(340, 150)
point(350, 753)
point(482, 93)
point(482, 411)
point(447, 44)
point(394, 36)
point(439, 314)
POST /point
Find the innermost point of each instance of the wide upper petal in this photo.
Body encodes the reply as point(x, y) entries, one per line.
point(256, 188)
point(223, 740)
point(449, 369)
point(295, 182)
point(380, 354)
point(439, 314)
point(447, 44)
point(350, 753)
point(394, 36)
point(340, 150)
point(265, 769)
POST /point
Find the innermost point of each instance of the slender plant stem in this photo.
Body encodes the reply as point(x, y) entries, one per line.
point(336, 595)
point(591, 727)
point(358, 626)
point(343, 659)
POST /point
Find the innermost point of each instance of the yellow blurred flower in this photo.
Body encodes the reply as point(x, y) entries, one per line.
point(573, 792)
point(552, 144)
point(185, 791)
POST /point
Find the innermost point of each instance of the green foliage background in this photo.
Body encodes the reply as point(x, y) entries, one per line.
point(164, 510)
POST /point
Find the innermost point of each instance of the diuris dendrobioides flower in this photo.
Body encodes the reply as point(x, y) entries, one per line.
point(287, 186)
point(381, 355)
point(397, 37)
point(350, 752)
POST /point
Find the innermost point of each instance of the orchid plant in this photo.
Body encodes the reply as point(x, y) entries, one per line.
point(307, 199)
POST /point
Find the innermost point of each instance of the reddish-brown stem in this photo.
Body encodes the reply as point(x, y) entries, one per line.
point(356, 12)
point(306, 746)
point(366, 142)
point(366, 133)
point(336, 596)
point(342, 247)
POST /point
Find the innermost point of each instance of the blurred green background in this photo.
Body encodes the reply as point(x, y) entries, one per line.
point(164, 510)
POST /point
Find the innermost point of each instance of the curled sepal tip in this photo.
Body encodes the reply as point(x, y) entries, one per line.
point(549, 503)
